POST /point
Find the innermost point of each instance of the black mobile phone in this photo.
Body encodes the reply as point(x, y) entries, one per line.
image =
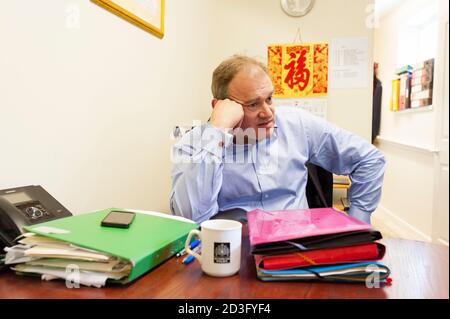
point(118, 219)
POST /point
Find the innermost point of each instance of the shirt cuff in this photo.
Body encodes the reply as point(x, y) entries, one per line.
point(214, 140)
point(359, 214)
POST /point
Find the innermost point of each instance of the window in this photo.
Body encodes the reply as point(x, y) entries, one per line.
point(417, 38)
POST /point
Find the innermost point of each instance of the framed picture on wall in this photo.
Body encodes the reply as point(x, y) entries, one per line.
point(146, 14)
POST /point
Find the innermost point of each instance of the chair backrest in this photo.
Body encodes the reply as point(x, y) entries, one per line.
point(319, 188)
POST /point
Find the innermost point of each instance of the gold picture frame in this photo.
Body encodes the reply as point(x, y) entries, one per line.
point(145, 14)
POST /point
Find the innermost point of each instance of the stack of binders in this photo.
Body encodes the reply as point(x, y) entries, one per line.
point(315, 244)
point(79, 250)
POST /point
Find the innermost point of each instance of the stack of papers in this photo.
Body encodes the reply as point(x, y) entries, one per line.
point(81, 251)
point(315, 244)
point(55, 259)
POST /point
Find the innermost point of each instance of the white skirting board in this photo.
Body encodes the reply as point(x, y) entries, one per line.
point(395, 226)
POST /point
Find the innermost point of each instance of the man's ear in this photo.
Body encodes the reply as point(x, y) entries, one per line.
point(213, 102)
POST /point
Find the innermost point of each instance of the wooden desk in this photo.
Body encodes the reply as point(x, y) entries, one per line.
point(419, 270)
point(341, 182)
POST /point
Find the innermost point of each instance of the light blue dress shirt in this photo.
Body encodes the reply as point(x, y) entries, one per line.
point(212, 174)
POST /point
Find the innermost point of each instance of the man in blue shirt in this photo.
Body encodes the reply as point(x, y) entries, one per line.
point(248, 156)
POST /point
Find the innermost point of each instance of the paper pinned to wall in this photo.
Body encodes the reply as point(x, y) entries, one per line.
point(348, 63)
point(315, 106)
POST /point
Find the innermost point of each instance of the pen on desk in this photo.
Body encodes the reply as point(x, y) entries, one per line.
point(190, 258)
point(194, 244)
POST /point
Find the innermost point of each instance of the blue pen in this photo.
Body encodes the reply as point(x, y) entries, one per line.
point(194, 244)
point(190, 258)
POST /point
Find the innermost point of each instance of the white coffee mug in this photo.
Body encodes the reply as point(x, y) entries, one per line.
point(221, 247)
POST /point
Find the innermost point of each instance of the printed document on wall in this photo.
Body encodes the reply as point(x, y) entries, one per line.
point(315, 106)
point(348, 63)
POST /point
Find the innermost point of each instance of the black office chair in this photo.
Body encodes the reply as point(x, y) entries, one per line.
point(319, 188)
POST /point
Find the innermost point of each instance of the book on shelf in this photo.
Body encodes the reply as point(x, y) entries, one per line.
point(404, 91)
point(395, 92)
point(421, 103)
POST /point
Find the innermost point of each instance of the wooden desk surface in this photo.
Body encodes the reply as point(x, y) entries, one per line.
point(419, 270)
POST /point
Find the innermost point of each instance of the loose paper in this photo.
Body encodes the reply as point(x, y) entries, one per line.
point(348, 63)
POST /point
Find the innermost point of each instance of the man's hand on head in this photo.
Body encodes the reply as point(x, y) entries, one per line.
point(226, 114)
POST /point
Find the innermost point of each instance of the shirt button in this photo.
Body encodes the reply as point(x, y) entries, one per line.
point(266, 196)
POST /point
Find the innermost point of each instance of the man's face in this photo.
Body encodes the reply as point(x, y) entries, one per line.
point(253, 89)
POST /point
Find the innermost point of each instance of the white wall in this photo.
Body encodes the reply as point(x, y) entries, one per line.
point(87, 113)
point(417, 127)
point(408, 139)
point(407, 199)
